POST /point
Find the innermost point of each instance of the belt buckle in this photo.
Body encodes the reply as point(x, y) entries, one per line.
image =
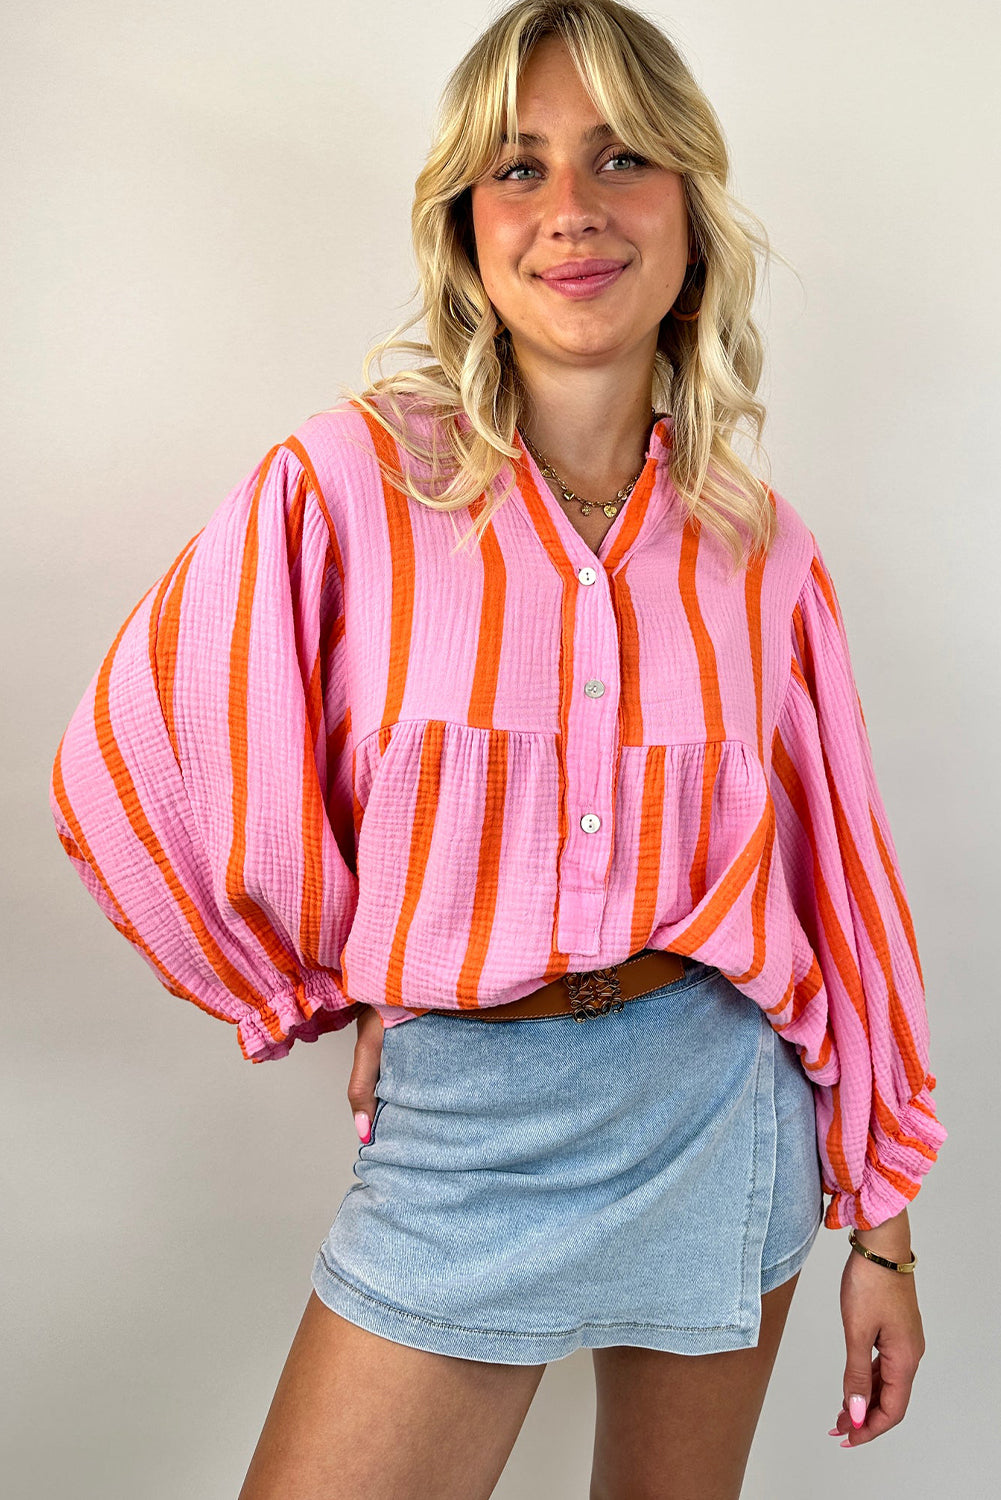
point(594, 993)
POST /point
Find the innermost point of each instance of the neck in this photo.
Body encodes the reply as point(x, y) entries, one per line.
point(594, 446)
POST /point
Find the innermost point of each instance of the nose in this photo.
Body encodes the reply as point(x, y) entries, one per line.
point(572, 199)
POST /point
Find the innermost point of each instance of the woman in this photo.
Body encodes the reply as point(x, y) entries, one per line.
point(601, 777)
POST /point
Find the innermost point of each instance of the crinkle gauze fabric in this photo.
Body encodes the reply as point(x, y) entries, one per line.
point(331, 760)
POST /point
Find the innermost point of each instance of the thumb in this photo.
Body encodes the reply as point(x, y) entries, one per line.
point(858, 1382)
point(365, 1074)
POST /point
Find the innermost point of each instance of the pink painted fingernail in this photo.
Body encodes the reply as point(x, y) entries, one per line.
point(856, 1410)
point(845, 1444)
point(363, 1125)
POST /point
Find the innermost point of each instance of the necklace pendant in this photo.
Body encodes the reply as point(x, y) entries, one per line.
point(610, 509)
point(585, 508)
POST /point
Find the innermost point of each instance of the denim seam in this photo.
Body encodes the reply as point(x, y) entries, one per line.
point(755, 1167)
point(505, 1333)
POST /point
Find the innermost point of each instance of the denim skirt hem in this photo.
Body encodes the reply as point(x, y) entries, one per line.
point(539, 1186)
point(507, 1346)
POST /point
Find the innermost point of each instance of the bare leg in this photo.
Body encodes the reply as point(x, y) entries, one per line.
point(358, 1417)
point(680, 1426)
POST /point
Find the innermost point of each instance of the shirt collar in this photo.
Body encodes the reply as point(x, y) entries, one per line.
point(636, 521)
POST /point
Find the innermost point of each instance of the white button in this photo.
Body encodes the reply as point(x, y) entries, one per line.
point(587, 575)
point(594, 688)
point(590, 822)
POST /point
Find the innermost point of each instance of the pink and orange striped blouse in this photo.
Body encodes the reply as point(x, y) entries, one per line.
point(329, 760)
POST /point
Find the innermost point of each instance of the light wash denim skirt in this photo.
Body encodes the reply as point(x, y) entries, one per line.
point(538, 1186)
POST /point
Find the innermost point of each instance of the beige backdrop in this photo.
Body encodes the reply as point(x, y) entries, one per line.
point(206, 222)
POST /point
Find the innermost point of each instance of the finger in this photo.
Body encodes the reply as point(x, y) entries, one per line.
point(844, 1424)
point(857, 1383)
point(886, 1410)
point(364, 1078)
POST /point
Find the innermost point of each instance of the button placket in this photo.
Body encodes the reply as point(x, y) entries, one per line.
point(591, 757)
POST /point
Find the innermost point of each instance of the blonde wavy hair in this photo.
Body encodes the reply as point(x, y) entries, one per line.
point(705, 371)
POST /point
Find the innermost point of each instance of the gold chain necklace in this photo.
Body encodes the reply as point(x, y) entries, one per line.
point(610, 508)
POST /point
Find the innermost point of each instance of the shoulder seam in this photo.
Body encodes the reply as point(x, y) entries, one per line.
point(293, 446)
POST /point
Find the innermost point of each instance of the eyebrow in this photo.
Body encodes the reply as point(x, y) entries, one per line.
point(594, 134)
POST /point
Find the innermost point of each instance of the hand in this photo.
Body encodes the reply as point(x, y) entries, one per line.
point(365, 1070)
point(878, 1307)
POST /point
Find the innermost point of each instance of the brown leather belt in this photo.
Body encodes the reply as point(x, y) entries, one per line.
point(596, 992)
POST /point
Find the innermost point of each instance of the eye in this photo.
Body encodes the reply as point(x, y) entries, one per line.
point(526, 166)
point(639, 161)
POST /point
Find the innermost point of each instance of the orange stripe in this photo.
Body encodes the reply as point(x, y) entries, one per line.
point(865, 900)
point(630, 684)
point(712, 708)
point(900, 900)
point(293, 445)
point(293, 526)
point(485, 893)
point(164, 627)
point(632, 521)
point(891, 1125)
point(825, 584)
point(84, 853)
point(834, 1142)
point(404, 573)
point(542, 521)
point(754, 578)
point(698, 882)
point(854, 867)
point(799, 632)
point(490, 640)
point(904, 1185)
point(753, 583)
point(333, 558)
point(650, 841)
point(136, 816)
point(480, 715)
point(759, 897)
point(790, 992)
point(789, 778)
point(383, 738)
point(804, 992)
point(314, 750)
point(315, 764)
point(69, 844)
point(421, 833)
point(237, 893)
point(845, 962)
point(712, 705)
point(699, 931)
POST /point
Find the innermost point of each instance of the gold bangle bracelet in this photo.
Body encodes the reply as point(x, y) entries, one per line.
point(881, 1260)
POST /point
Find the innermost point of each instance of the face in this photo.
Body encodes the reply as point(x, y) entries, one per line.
point(576, 198)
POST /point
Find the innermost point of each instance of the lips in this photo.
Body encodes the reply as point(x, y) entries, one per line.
point(579, 270)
